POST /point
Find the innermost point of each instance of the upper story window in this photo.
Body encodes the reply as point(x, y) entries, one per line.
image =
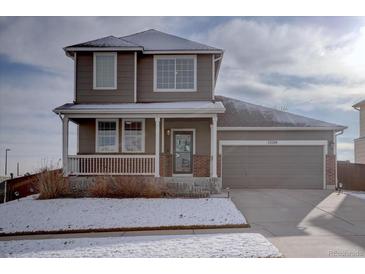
point(105, 70)
point(175, 73)
point(107, 135)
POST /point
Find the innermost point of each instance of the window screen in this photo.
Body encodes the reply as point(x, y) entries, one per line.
point(105, 70)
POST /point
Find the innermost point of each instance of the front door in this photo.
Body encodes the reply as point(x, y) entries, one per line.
point(183, 152)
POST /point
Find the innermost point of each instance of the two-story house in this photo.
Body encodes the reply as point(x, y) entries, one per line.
point(360, 142)
point(145, 104)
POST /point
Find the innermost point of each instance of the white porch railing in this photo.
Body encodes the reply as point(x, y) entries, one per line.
point(111, 164)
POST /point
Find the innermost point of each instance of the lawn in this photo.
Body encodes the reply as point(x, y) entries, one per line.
point(29, 215)
point(239, 245)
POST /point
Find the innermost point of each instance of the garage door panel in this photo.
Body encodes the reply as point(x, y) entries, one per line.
point(272, 166)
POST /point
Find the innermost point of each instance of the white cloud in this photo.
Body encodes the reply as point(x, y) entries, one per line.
point(39, 40)
point(313, 53)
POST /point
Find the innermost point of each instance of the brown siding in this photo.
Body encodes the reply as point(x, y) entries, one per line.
point(87, 136)
point(125, 80)
point(279, 135)
point(145, 91)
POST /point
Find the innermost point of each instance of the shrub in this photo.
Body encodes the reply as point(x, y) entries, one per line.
point(101, 187)
point(128, 187)
point(51, 184)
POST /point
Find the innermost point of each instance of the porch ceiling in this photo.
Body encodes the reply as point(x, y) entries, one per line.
point(191, 107)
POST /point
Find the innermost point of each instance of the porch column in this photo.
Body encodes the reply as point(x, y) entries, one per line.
point(157, 147)
point(64, 144)
point(213, 146)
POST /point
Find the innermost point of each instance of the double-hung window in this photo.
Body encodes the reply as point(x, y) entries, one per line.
point(105, 70)
point(133, 135)
point(107, 135)
point(175, 73)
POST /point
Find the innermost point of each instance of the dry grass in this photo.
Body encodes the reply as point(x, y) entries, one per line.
point(128, 187)
point(101, 187)
point(51, 184)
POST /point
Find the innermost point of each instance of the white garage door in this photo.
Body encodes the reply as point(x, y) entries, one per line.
point(273, 166)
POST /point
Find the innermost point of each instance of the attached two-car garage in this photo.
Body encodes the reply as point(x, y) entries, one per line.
point(273, 164)
point(261, 147)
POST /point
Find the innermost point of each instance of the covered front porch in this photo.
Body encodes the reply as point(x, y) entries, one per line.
point(151, 139)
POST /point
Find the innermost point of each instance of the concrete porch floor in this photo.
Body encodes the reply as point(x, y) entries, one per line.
point(306, 223)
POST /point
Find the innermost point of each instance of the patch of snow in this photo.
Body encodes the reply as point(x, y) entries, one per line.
point(357, 194)
point(241, 245)
point(29, 214)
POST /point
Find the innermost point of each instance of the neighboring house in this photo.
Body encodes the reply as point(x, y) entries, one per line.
point(360, 142)
point(145, 104)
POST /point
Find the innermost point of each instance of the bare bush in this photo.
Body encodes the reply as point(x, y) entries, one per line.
point(101, 187)
point(128, 187)
point(51, 184)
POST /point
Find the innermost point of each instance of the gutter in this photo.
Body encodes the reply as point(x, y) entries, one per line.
point(341, 129)
point(140, 111)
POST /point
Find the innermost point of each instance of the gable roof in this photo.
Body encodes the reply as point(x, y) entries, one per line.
point(242, 114)
point(359, 104)
point(154, 40)
point(108, 41)
point(148, 41)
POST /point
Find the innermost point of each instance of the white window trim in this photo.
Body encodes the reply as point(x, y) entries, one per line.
point(116, 147)
point(157, 57)
point(114, 54)
point(143, 135)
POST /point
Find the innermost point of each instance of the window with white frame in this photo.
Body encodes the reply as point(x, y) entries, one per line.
point(133, 135)
point(175, 73)
point(105, 70)
point(106, 135)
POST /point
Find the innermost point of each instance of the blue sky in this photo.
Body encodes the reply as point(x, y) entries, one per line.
point(313, 66)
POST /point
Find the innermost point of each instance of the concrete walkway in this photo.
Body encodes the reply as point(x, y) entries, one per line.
point(306, 223)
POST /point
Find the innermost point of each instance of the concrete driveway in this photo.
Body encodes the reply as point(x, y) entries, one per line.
point(306, 223)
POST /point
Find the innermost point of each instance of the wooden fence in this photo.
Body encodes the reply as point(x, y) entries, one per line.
point(352, 176)
point(23, 186)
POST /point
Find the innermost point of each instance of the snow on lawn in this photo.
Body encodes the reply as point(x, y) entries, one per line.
point(30, 215)
point(357, 194)
point(245, 245)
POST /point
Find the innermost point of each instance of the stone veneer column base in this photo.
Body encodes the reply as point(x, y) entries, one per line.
point(330, 171)
point(201, 166)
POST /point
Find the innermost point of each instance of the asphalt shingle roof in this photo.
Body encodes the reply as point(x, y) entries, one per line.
point(149, 40)
point(152, 40)
point(242, 114)
point(108, 41)
point(358, 104)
